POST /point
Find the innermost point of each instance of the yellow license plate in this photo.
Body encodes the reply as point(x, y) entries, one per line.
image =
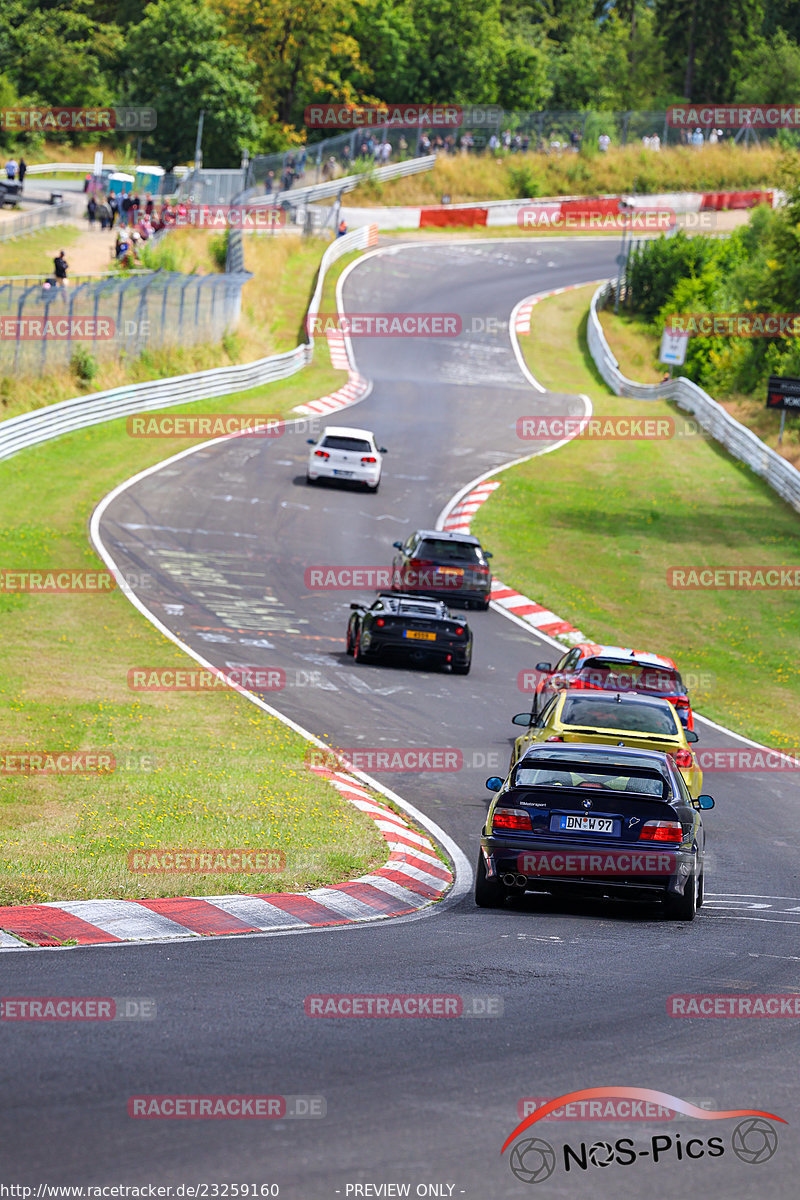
point(420, 636)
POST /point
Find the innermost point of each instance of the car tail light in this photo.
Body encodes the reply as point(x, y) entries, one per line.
point(481, 570)
point(510, 818)
point(380, 621)
point(661, 831)
point(556, 737)
point(681, 702)
point(459, 630)
point(683, 758)
point(321, 454)
point(369, 459)
point(420, 562)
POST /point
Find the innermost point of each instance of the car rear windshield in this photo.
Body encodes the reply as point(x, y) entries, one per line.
point(446, 551)
point(619, 714)
point(553, 775)
point(632, 677)
point(335, 442)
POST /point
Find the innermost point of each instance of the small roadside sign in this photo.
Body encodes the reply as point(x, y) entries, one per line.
point(783, 393)
point(673, 348)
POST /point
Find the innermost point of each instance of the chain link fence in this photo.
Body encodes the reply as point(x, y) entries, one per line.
point(45, 327)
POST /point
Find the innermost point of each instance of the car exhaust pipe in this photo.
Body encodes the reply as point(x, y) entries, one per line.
point(510, 880)
point(522, 881)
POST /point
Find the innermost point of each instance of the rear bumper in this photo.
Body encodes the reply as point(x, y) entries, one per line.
point(450, 595)
point(554, 864)
point(442, 649)
point(360, 474)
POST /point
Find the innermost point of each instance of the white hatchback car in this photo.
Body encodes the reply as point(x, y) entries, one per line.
point(347, 454)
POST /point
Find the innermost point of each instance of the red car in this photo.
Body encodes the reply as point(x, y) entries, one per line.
point(615, 669)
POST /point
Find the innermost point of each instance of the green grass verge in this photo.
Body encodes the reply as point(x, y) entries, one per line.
point(194, 769)
point(591, 530)
point(33, 253)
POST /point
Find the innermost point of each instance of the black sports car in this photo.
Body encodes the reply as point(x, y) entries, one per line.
point(416, 628)
point(598, 820)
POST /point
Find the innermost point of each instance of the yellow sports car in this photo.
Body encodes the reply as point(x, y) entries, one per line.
point(613, 719)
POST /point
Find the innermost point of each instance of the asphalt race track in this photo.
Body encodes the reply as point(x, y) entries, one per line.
point(227, 534)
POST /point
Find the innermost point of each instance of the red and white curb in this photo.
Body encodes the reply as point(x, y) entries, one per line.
point(460, 517)
point(412, 877)
point(356, 388)
point(338, 350)
point(536, 615)
point(524, 311)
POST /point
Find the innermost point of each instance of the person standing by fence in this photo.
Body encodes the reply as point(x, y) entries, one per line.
point(60, 266)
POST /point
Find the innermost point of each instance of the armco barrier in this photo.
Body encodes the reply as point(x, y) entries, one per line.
point(506, 212)
point(30, 429)
point(739, 441)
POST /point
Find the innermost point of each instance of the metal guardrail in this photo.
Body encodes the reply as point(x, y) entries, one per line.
point(31, 429)
point(28, 222)
point(300, 197)
point(739, 441)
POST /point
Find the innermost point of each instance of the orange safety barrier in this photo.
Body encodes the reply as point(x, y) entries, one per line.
point(452, 216)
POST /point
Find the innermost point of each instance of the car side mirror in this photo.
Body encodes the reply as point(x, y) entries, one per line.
point(543, 666)
point(397, 545)
point(383, 450)
point(525, 719)
point(704, 801)
point(353, 604)
point(691, 736)
point(311, 441)
point(494, 783)
point(488, 554)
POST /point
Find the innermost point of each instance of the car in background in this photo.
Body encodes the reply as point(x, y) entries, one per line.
point(345, 455)
point(611, 719)
point(432, 562)
point(610, 822)
point(411, 627)
point(614, 669)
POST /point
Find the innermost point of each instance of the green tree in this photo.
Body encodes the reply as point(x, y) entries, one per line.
point(180, 61)
point(56, 53)
point(707, 51)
